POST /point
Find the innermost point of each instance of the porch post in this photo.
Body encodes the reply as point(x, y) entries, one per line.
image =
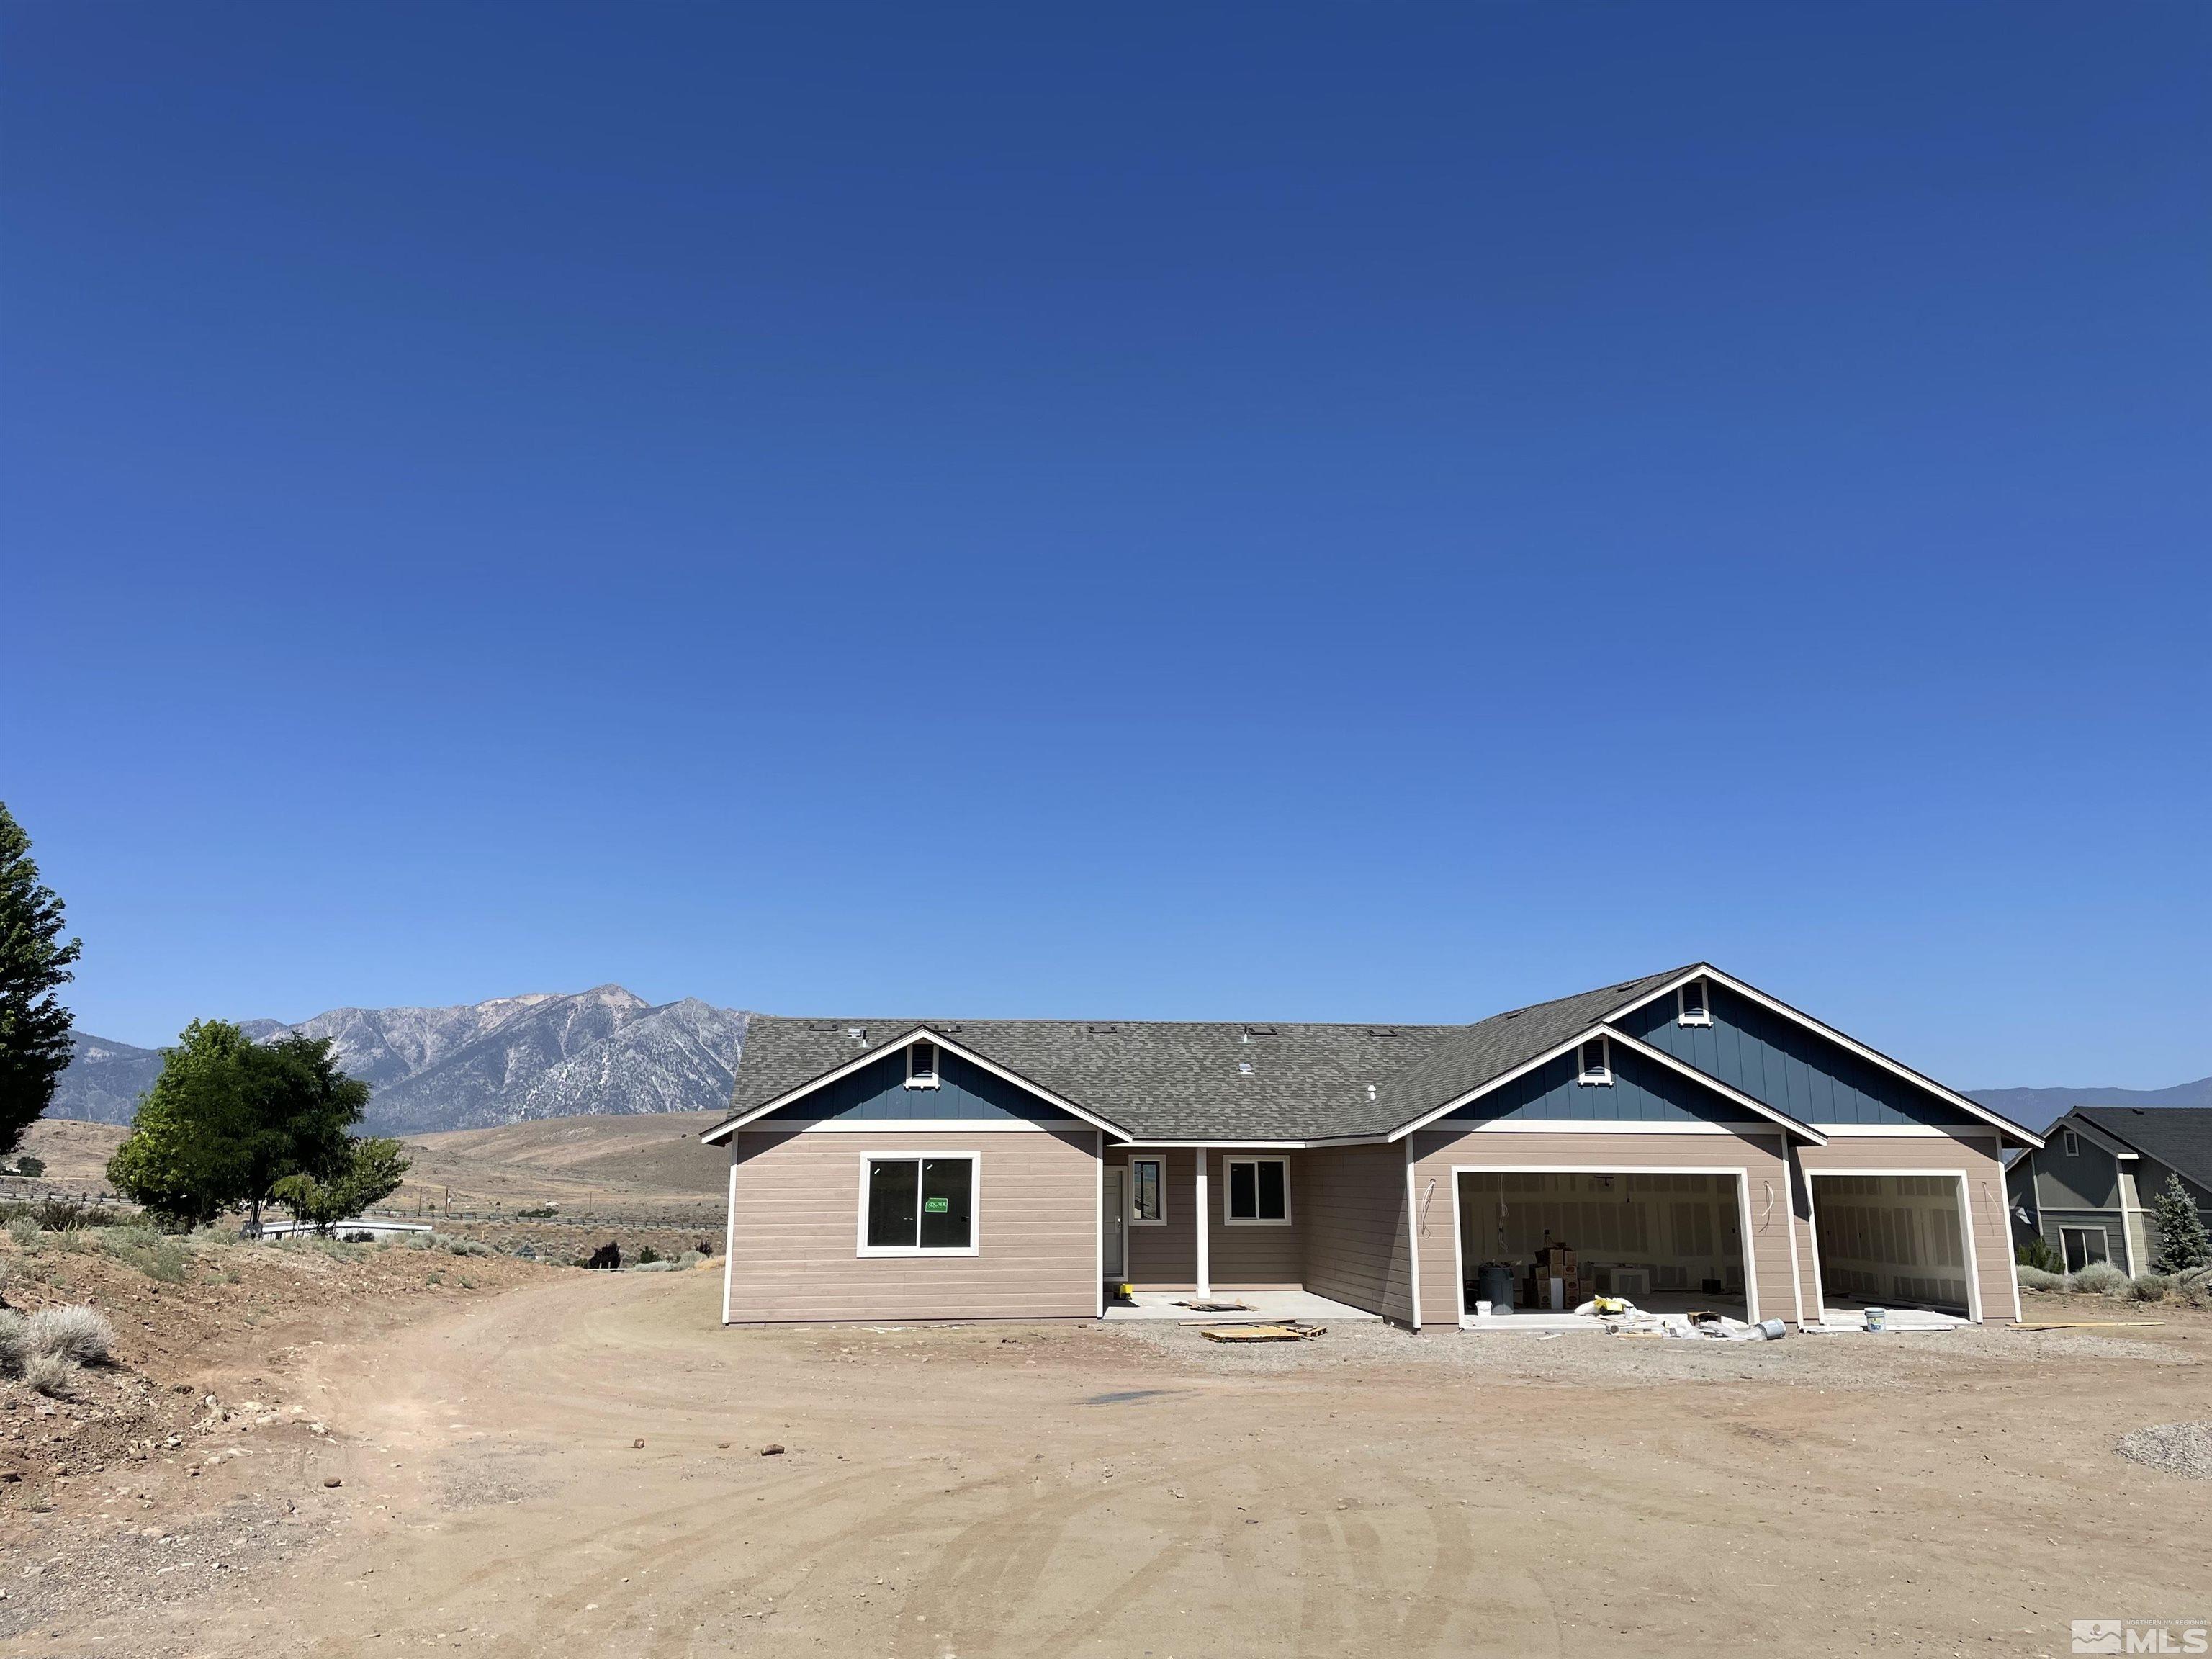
point(1202, 1218)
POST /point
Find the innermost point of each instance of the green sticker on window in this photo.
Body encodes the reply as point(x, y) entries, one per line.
point(936, 1206)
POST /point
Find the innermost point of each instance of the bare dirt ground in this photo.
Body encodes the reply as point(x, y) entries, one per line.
point(1029, 1491)
point(644, 1162)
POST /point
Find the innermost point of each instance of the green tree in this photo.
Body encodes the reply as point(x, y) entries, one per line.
point(229, 1118)
point(35, 1040)
point(2182, 1241)
point(373, 1172)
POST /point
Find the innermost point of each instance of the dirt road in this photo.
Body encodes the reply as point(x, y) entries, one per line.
point(1022, 1492)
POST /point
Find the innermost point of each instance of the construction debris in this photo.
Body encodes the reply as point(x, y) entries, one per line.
point(1290, 1331)
point(2085, 1324)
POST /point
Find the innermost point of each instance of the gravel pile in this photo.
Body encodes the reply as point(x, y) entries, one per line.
point(2177, 1448)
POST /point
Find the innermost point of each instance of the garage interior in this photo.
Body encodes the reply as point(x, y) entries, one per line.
point(1891, 1241)
point(1669, 1243)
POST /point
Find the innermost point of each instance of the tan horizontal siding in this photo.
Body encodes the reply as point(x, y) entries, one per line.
point(1971, 1154)
point(1759, 1156)
point(795, 1230)
point(1350, 1203)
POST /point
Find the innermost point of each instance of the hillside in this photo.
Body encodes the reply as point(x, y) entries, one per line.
point(2038, 1107)
point(605, 1051)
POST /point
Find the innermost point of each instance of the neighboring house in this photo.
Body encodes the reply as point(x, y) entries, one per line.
point(1686, 1134)
point(2089, 1188)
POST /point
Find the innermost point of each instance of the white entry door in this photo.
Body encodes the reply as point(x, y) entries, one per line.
point(1114, 1227)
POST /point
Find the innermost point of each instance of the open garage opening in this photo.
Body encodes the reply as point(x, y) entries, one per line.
point(1895, 1241)
point(1546, 1242)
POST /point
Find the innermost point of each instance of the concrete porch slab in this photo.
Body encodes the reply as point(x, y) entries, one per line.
point(1265, 1305)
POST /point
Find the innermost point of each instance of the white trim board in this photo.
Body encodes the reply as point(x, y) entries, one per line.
point(1623, 1126)
point(869, 1056)
point(927, 1126)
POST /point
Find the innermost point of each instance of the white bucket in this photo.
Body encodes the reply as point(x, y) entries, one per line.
point(1482, 1311)
point(1876, 1317)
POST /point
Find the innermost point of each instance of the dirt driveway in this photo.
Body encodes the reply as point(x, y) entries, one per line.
point(1031, 1492)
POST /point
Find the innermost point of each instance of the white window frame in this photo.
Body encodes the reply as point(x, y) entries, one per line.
point(1700, 1015)
point(1161, 1219)
point(2104, 1233)
point(1600, 1076)
point(1228, 1187)
point(932, 1079)
point(974, 1246)
point(2069, 1143)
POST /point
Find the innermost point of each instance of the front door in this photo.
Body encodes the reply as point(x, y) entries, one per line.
point(1114, 1227)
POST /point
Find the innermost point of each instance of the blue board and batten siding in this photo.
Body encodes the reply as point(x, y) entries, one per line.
point(1776, 1060)
point(1642, 1090)
point(877, 1093)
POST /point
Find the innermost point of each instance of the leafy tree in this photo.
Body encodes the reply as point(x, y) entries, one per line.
point(229, 1118)
point(2182, 1242)
point(373, 1172)
point(35, 1041)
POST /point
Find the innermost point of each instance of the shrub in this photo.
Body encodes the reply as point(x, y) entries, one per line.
point(2034, 1279)
point(536, 1213)
point(690, 1258)
point(2151, 1287)
point(33, 1167)
point(2103, 1278)
point(15, 1342)
point(77, 1333)
point(2036, 1253)
point(53, 1374)
point(57, 1212)
point(24, 1230)
point(458, 1246)
point(654, 1267)
point(153, 1255)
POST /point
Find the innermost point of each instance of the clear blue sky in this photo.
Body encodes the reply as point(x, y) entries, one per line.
point(1178, 510)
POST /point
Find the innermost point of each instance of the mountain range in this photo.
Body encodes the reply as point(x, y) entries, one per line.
point(604, 1050)
point(607, 1051)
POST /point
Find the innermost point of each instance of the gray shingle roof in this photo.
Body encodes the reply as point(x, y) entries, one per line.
point(1180, 1080)
point(2180, 1137)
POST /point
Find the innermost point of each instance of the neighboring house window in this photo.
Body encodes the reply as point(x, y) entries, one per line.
point(1259, 1192)
point(1597, 1062)
point(1690, 1006)
point(2081, 1246)
point(922, 1066)
point(1148, 1191)
point(919, 1206)
point(2069, 1144)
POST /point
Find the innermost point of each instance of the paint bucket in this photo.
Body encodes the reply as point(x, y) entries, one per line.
point(1877, 1318)
point(1482, 1311)
point(1770, 1329)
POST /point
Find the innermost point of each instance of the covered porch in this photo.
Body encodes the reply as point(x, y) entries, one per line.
point(1259, 1223)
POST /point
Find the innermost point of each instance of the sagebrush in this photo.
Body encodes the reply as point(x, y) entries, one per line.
point(79, 1334)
